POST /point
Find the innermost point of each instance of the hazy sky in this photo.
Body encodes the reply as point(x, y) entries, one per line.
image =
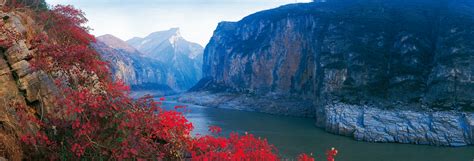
point(196, 18)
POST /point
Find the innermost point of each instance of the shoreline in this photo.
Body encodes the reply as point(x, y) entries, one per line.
point(362, 123)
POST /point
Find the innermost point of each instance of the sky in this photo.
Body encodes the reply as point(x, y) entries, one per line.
point(196, 19)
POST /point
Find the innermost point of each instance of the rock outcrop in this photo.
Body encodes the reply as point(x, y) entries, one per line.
point(392, 56)
point(20, 84)
point(366, 123)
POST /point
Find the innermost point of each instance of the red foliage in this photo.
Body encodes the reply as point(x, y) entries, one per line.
point(236, 147)
point(65, 24)
point(331, 154)
point(66, 47)
point(215, 129)
point(305, 157)
point(179, 107)
point(9, 35)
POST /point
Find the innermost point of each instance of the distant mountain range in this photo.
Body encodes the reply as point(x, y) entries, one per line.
point(172, 49)
point(162, 61)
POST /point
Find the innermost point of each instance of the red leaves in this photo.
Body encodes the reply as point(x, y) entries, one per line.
point(66, 47)
point(77, 149)
point(305, 157)
point(331, 154)
point(65, 24)
point(9, 35)
point(179, 107)
point(236, 147)
point(215, 129)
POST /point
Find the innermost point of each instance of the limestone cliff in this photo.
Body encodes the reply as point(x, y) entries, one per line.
point(379, 52)
point(396, 56)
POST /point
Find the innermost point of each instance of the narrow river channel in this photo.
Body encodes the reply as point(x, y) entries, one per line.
point(295, 135)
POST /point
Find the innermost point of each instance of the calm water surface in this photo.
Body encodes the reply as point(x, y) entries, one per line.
point(295, 135)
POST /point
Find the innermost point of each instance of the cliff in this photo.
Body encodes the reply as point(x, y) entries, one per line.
point(376, 53)
point(21, 85)
point(128, 65)
point(163, 62)
point(360, 56)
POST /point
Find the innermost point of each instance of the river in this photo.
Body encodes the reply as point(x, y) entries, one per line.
point(295, 135)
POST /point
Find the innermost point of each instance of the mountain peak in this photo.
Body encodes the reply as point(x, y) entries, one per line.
point(175, 30)
point(166, 34)
point(116, 43)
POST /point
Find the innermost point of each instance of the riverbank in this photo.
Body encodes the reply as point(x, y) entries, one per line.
point(444, 128)
point(364, 123)
point(270, 103)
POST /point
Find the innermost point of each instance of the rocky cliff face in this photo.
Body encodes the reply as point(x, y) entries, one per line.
point(368, 123)
point(173, 50)
point(388, 55)
point(140, 73)
point(378, 52)
point(20, 84)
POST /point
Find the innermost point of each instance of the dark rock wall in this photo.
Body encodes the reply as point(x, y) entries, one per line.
point(414, 54)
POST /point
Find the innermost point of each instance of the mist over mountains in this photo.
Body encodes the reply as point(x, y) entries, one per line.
point(163, 61)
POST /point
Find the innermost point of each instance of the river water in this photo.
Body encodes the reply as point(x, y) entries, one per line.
point(295, 135)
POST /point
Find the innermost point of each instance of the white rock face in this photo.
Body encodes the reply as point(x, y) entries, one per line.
point(376, 125)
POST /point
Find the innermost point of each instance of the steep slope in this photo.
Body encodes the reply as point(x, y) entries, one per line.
point(139, 72)
point(377, 52)
point(173, 50)
point(21, 85)
point(353, 58)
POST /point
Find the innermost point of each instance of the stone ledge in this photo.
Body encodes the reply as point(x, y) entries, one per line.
point(445, 128)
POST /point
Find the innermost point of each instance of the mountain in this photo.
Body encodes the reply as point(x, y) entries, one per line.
point(140, 73)
point(377, 70)
point(117, 43)
point(173, 50)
